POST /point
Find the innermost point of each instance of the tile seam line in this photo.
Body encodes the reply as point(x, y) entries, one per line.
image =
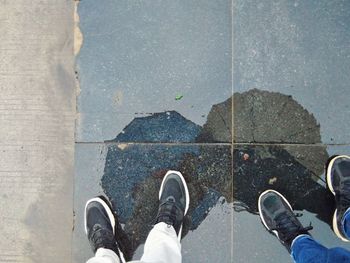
point(232, 126)
point(292, 144)
point(155, 143)
point(214, 144)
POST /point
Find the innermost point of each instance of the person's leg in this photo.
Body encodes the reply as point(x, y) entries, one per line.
point(103, 255)
point(162, 245)
point(338, 182)
point(278, 218)
point(163, 242)
point(346, 223)
point(100, 225)
point(305, 249)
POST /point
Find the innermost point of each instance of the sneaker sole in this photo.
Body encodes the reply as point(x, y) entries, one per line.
point(187, 194)
point(259, 207)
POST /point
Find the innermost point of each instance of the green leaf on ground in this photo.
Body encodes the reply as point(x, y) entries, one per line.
point(179, 97)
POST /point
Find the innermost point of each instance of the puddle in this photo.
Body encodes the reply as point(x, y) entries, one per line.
point(132, 178)
point(133, 172)
point(273, 167)
point(271, 117)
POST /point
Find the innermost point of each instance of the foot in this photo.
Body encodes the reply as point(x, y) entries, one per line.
point(338, 181)
point(100, 225)
point(174, 201)
point(278, 217)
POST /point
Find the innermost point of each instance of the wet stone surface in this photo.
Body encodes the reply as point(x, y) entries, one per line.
point(296, 48)
point(279, 168)
point(272, 117)
point(156, 94)
point(177, 59)
point(130, 176)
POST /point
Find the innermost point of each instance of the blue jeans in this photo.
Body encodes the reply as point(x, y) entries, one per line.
point(307, 250)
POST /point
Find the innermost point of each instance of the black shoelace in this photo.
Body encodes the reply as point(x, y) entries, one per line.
point(103, 238)
point(167, 213)
point(344, 195)
point(288, 228)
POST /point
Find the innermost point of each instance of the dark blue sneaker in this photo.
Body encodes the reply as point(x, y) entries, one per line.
point(174, 201)
point(100, 225)
point(278, 217)
point(338, 182)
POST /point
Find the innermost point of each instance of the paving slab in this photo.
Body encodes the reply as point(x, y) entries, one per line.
point(136, 61)
point(299, 49)
point(130, 175)
point(289, 170)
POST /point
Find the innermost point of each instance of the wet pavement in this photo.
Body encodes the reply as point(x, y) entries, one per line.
point(130, 176)
point(166, 90)
point(136, 67)
point(297, 48)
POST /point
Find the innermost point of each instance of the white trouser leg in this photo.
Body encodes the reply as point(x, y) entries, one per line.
point(162, 245)
point(104, 256)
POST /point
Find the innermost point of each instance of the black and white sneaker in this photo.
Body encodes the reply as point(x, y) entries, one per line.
point(338, 181)
point(100, 225)
point(174, 201)
point(278, 217)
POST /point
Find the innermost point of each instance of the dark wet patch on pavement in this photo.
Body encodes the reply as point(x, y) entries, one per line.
point(133, 174)
point(130, 175)
point(272, 117)
point(167, 126)
point(133, 171)
point(273, 167)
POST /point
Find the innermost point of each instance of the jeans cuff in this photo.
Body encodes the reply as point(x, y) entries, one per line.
point(298, 238)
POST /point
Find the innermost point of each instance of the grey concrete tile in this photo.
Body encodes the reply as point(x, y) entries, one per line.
point(299, 49)
point(130, 175)
point(136, 61)
point(295, 171)
point(89, 165)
